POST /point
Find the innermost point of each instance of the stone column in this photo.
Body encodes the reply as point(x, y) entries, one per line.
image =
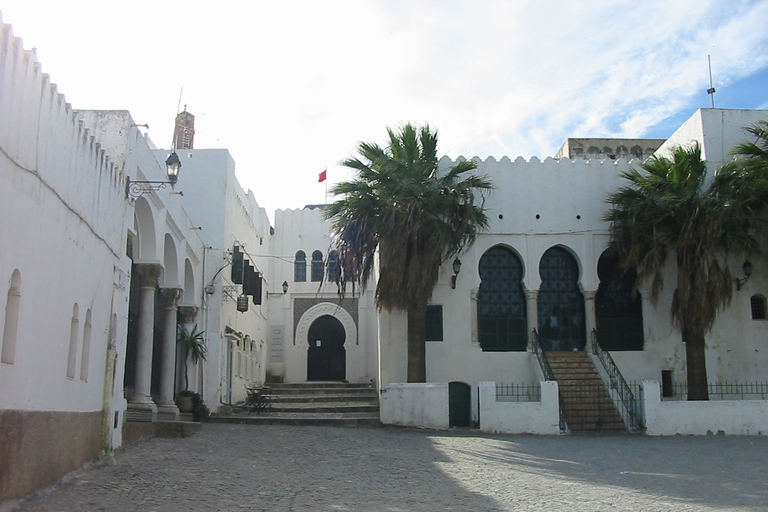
point(166, 404)
point(532, 312)
point(142, 399)
point(590, 318)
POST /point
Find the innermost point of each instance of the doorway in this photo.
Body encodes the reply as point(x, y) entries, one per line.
point(459, 404)
point(326, 355)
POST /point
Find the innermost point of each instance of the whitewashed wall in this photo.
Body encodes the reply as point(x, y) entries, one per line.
point(223, 214)
point(422, 405)
point(500, 417)
point(305, 230)
point(716, 417)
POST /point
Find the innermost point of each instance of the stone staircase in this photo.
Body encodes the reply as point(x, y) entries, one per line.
point(312, 403)
point(585, 404)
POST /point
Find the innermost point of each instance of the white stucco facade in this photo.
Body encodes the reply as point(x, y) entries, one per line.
point(539, 205)
point(303, 231)
point(95, 279)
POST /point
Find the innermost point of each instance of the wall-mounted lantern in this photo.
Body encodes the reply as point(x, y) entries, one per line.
point(136, 189)
point(456, 269)
point(747, 268)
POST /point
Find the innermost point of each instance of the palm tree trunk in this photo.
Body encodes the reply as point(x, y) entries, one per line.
point(417, 350)
point(696, 366)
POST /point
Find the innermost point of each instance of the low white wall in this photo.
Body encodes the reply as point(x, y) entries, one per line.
point(519, 417)
point(732, 417)
point(415, 405)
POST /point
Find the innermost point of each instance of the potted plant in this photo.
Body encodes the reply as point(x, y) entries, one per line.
point(193, 347)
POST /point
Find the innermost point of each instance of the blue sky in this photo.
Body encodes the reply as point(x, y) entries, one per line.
point(291, 87)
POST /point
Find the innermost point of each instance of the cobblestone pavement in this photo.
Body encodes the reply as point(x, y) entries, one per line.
point(280, 468)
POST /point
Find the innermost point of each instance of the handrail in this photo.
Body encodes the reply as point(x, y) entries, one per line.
point(546, 369)
point(619, 389)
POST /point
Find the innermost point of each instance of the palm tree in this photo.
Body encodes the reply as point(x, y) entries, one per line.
point(672, 207)
point(755, 153)
point(414, 215)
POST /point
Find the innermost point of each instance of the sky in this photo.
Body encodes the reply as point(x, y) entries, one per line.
point(291, 87)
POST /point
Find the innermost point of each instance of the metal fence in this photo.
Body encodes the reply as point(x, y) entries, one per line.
point(717, 391)
point(518, 392)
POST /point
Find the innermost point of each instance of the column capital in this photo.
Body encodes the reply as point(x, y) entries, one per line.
point(170, 295)
point(188, 313)
point(148, 273)
point(589, 294)
point(531, 294)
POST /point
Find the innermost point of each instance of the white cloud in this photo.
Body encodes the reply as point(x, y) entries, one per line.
point(291, 87)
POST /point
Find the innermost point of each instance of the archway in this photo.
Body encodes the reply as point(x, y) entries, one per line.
point(618, 306)
point(562, 322)
point(326, 356)
point(501, 308)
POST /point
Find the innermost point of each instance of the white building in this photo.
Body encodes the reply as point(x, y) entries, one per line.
point(540, 266)
point(98, 270)
point(316, 335)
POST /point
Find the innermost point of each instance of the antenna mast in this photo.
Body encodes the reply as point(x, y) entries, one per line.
point(711, 90)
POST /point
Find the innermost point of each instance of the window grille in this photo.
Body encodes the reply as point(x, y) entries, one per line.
point(300, 267)
point(757, 303)
point(562, 324)
point(317, 266)
point(501, 310)
point(618, 307)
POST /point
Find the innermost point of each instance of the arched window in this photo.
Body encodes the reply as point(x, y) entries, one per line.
point(562, 321)
point(334, 272)
point(317, 266)
point(618, 307)
point(300, 267)
point(11, 324)
point(501, 312)
point(74, 328)
point(757, 303)
point(86, 356)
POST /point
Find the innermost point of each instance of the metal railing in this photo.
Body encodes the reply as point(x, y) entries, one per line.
point(546, 369)
point(518, 392)
point(722, 391)
point(620, 392)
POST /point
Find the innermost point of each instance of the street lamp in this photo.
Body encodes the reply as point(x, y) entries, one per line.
point(136, 189)
point(747, 268)
point(456, 269)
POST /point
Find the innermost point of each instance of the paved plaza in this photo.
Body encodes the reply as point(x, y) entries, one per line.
point(290, 468)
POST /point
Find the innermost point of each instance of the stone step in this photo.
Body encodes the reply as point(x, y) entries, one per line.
point(585, 404)
point(312, 403)
point(307, 419)
point(323, 407)
point(327, 398)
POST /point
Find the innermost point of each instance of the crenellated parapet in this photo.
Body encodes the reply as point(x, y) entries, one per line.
point(549, 196)
point(46, 151)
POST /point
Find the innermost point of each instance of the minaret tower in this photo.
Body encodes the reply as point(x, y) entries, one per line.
point(184, 132)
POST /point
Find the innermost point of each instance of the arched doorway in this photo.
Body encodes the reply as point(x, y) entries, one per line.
point(562, 323)
point(326, 356)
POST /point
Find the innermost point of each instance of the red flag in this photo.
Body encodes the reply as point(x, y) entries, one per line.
point(323, 176)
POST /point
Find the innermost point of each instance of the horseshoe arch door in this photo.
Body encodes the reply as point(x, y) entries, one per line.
point(326, 355)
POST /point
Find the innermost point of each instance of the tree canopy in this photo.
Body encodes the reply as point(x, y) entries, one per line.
point(402, 207)
point(674, 207)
